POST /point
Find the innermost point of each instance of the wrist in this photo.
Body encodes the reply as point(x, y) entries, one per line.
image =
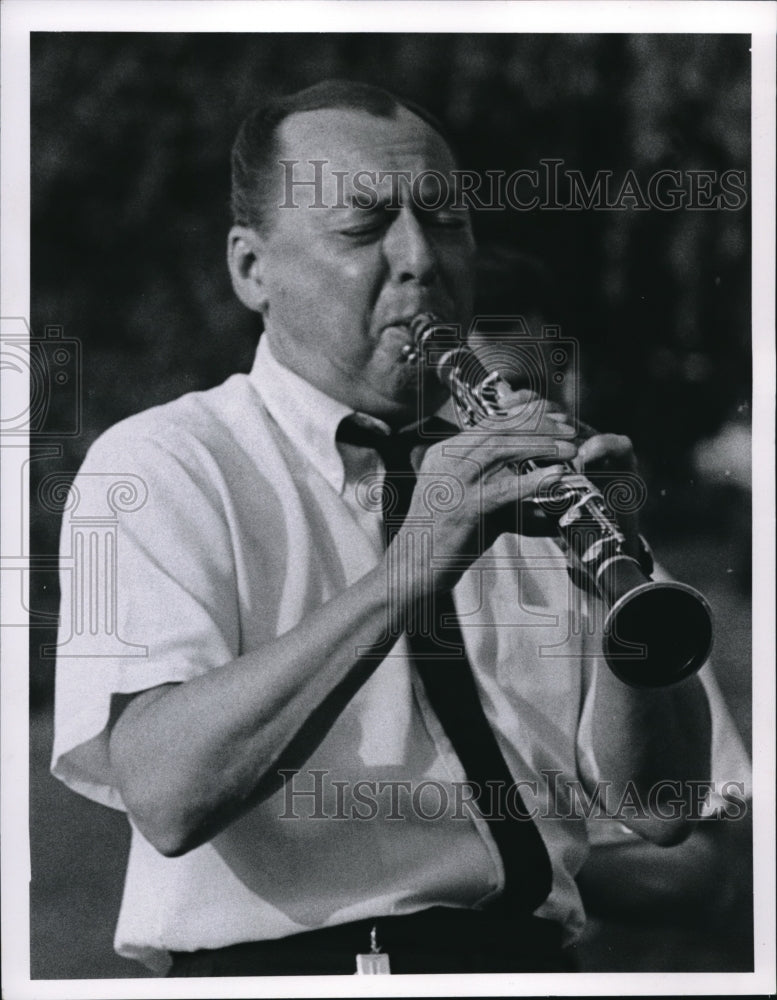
point(413, 574)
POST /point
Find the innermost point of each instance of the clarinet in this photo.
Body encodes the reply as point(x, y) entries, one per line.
point(655, 633)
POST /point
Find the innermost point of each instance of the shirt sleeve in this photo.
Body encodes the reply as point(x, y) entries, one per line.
point(148, 588)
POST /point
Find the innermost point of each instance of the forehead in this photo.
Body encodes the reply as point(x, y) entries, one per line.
point(355, 140)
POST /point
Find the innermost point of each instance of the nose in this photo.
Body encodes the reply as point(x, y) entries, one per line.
point(408, 250)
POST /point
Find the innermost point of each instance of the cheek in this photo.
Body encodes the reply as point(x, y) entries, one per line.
point(344, 280)
point(326, 299)
point(348, 286)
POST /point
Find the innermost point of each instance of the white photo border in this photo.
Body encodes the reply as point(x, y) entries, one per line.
point(759, 19)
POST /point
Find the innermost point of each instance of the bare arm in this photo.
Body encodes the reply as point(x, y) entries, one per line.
point(643, 740)
point(645, 737)
point(191, 757)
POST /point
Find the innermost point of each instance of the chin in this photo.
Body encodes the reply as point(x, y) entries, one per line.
point(411, 400)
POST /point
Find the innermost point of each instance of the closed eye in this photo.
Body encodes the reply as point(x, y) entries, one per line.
point(368, 223)
point(443, 217)
point(375, 221)
point(364, 229)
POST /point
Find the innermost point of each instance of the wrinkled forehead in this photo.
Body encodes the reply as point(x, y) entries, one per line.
point(340, 145)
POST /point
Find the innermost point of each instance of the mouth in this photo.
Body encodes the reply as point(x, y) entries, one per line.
point(402, 326)
point(404, 333)
point(398, 334)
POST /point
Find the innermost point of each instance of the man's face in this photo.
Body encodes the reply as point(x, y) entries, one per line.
point(342, 282)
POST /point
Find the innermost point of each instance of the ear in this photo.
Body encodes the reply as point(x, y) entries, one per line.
point(245, 256)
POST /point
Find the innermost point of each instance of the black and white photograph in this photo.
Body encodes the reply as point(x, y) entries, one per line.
point(388, 528)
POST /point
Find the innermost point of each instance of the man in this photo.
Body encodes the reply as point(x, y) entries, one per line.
point(280, 692)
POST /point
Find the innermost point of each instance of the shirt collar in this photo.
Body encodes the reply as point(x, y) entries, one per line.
point(305, 414)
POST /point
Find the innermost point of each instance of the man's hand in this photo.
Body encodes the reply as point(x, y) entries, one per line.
point(603, 456)
point(470, 476)
point(610, 455)
point(480, 472)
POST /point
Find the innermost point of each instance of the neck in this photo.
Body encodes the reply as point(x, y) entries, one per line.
point(407, 404)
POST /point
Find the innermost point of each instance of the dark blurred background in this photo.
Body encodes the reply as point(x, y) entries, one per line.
point(130, 183)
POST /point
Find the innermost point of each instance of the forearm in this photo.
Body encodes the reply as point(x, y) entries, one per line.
point(642, 738)
point(190, 758)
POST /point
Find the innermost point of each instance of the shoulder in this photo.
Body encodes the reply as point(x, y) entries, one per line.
point(199, 427)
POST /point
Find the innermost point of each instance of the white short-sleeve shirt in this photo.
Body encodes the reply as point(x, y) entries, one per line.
point(239, 515)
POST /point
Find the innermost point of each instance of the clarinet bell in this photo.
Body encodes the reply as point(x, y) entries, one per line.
point(657, 634)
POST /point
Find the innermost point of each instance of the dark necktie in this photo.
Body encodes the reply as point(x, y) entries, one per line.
point(441, 662)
